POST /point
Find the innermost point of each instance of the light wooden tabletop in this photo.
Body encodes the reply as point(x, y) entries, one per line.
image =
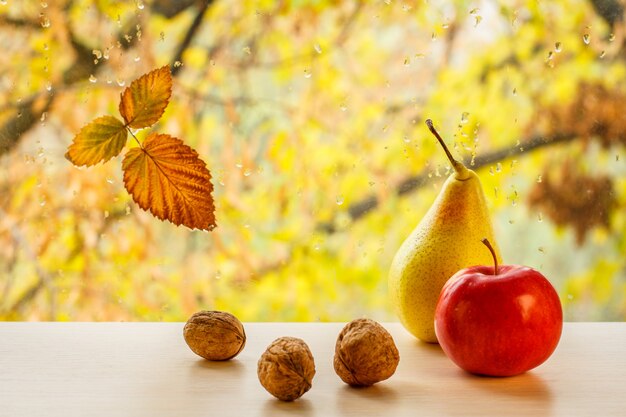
point(146, 369)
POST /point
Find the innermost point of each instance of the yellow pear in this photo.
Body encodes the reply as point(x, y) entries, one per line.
point(447, 239)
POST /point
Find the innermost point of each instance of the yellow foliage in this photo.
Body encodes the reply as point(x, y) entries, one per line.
point(304, 112)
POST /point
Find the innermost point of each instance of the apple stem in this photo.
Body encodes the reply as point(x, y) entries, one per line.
point(458, 167)
point(486, 242)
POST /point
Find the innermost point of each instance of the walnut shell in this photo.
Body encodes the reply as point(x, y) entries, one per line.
point(286, 368)
point(215, 335)
point(365, 353)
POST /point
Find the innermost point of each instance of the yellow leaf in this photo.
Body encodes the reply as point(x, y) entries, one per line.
point(143, 103)
point(167, 178)
point(99, 141)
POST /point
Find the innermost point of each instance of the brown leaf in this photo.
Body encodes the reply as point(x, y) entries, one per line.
point(168, 178)
point(99, 141)
point(143, 103)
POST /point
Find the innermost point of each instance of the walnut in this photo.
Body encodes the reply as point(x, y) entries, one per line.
point(215, 335)
point(286, 368)
point(365, 353)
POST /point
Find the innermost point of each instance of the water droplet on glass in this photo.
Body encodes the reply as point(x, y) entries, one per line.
point(106, 214)
point(515, 91)
point(92, 79)
point(120, 82)
point(406, 7)
point(539, 178)
point(239, 165)
point(343, 107)
point(317, 48)
point(433, 37)
point(218, 274)
point(48, 86)
point(177, 64)
point(611, 37)
point(586, 38)
point(162, 36)
point(539, 217)
point(140, 4)
point(97, 53)
point(43, 117)
point(464, 117)
point(247, 50)
point(109, 180)
point(45, 22)
point(477, 20)
point(137, 58)
point(541, 249)
point(407, 61)
point(44, 5)
point(387, 2)
point(445, 25)
point(339, 200)
point(247, 173)
point(406, 139)
point(602, 54)
point(498, 167)
point(550, 55)
point(307, 73)
point(557, 47)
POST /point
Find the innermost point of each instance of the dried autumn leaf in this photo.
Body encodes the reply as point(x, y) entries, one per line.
point(99, 141)
point(142, 103)
point(167, 178)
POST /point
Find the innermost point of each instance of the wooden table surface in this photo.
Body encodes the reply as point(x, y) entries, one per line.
point(146, 369)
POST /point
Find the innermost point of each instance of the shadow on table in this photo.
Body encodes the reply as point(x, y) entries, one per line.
point(300, 407)
point(373, 400)
point(527, 386)
point(232, 367)
point(528, 391)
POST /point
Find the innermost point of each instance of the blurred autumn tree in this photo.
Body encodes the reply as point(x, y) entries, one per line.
point(309, 116)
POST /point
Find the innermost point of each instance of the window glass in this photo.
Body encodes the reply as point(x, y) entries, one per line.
point(310, 117)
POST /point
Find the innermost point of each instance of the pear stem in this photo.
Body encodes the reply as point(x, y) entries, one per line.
point(455, 164)
point(486, 242)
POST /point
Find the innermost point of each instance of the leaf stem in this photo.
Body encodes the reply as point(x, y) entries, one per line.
point(134, 137)
point(486, 242)
point(458, 166)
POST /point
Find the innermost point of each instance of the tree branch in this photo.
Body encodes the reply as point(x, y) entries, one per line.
point(612, 11)
point(360, 208)
point(191, 33)
point(29, 112)
point(17, 22)
point(171, 8)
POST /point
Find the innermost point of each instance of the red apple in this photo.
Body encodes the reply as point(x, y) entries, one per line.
point(498, 320)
